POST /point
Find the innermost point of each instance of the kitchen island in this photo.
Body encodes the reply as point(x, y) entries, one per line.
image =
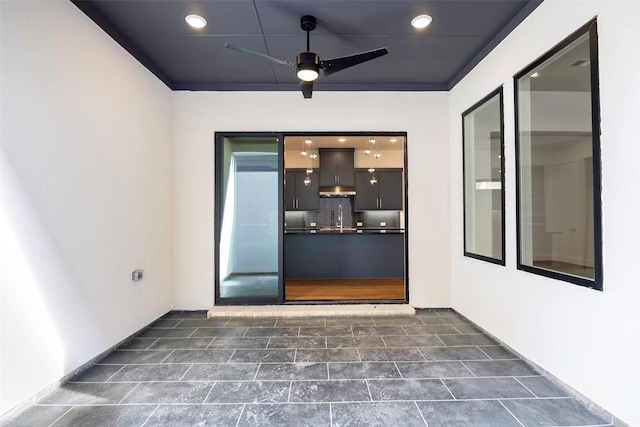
point(344, 255)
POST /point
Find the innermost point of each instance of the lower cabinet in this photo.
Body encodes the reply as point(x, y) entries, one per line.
point(349, 255)
point(297, 195)
point(385, 194)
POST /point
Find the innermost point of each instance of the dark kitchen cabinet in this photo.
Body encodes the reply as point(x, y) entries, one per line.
point(336, 167)
point(385, 195)
point(300, 197)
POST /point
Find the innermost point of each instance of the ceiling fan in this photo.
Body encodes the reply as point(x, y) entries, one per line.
point(308, 63)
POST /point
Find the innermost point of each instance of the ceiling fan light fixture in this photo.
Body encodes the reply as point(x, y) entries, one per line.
point(196, 21)
point(308, 66)
point(421, 21)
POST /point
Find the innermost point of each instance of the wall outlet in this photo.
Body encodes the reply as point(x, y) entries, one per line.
point(137, 275)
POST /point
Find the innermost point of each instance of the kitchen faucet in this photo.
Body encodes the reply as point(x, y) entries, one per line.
point(340, 217)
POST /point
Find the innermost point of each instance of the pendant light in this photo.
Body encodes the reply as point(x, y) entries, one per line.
point(373, 179)
point(309, 143)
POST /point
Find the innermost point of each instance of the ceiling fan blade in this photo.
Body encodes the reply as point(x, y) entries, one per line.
point(259, 55)
point(331, 66)
point(307, 89)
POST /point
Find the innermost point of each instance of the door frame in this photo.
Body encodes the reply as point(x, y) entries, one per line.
point(280, 136)
point(218, 182)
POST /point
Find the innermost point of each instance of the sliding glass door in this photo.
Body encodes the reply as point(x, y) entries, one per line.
point(248, 235)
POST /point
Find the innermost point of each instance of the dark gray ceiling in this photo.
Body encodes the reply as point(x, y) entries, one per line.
point(436, 58)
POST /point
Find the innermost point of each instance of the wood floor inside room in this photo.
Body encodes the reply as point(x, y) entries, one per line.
point(344, 289)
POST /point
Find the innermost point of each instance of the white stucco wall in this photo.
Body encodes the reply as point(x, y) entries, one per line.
point(586, 338)
point(198, 115)
point(86, 195)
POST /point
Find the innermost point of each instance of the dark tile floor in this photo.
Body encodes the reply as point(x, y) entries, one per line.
point(434, 369)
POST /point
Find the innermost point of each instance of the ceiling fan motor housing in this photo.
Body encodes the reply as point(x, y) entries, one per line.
point(307, 62)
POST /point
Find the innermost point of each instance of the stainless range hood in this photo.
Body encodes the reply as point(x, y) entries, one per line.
point(337, 191)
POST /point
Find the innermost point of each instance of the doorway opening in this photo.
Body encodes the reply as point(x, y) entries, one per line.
point(314, 217)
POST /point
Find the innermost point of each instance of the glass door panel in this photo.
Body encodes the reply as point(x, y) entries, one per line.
point(248, 218)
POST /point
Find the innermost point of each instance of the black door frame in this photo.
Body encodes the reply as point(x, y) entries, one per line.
point(218, 191)
point(218, 181)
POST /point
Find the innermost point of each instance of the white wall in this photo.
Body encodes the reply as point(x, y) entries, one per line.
point(86, 195)
point(589, 339)
point(198, 115)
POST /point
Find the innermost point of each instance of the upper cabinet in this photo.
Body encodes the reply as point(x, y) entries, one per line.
point(336, 167)
point(385, 194)
point(297, 195)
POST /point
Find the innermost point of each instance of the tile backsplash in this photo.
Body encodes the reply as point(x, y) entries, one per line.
point(327, 215)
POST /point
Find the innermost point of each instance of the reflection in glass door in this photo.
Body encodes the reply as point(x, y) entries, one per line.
point(248, 235)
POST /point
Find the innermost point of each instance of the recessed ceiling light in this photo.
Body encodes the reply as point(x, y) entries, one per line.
point(394, 140)
point(421, 21)
point(196, 21)
point(341, 139)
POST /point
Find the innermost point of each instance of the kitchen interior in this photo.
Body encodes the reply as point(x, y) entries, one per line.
point(344, 218)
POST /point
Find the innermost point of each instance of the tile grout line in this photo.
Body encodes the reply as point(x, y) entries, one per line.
point(421, 414)
point(185, 372)
point(210, 391)
point(114, 374)
point(161, 362)
point(445, 386)
point(366, 381)
point(527, 388)
point(150, 415)
point(244, 405)
point(470, 371)
point(127, 395)
point(510, 413)
point(443, 343)
point(485, 353)
point(399, 371)
point(60, 417)
point(331, 414)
